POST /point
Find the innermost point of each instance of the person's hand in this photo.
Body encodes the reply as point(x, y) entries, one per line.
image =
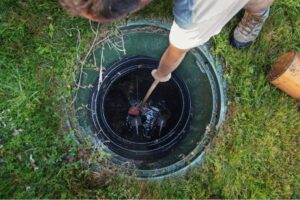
point(159, 77)
point(169, 62)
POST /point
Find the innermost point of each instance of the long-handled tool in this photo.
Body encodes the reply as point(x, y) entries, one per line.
point(135, 111)
point(168, 63)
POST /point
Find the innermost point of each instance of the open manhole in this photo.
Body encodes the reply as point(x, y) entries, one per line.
point(163, 122)
point(178, 121)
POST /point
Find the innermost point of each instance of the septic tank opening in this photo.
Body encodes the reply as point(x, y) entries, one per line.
point(160, 114)
point(199, 94)
point(163, 121)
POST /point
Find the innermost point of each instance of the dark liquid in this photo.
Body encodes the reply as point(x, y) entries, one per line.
point(159, 116)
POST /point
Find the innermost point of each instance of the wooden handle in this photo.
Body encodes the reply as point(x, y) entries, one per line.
point(149, 92)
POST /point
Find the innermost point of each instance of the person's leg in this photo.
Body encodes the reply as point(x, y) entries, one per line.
point(256, 13)
point(258, 6)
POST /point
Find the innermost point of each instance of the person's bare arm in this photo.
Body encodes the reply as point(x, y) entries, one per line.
point(169, 62)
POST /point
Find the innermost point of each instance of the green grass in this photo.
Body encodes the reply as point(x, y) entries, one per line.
point(255, 155)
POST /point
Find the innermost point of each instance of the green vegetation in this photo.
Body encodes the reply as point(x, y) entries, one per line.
point(255, 155)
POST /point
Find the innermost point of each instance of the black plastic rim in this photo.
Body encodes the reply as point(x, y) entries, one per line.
point(133, 150)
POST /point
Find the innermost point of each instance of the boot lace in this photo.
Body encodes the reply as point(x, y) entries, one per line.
point(249, 23)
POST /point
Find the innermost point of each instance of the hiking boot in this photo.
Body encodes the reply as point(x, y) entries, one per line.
point(248, 29)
